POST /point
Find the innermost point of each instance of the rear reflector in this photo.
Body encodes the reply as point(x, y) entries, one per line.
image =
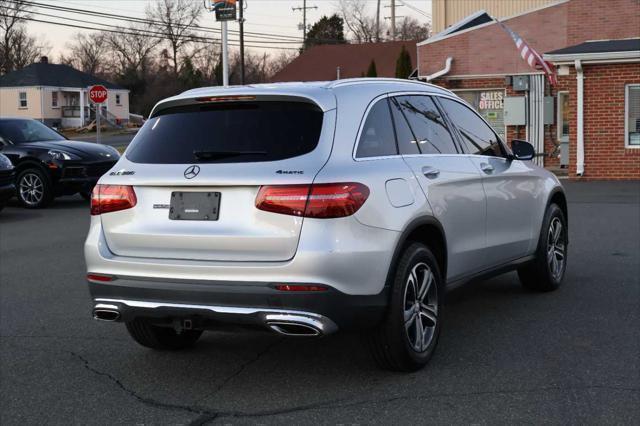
point(112, 198)
point(322, 201)
point(101, 278)
point(300, 287)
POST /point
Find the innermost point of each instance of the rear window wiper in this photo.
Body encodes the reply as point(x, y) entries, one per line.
point(213, 155)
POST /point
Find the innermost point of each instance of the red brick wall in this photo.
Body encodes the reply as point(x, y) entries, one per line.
point(602, 20)
point(490, 50)
point(605, 154)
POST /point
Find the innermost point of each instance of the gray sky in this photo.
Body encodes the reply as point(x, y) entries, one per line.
point(264, 16)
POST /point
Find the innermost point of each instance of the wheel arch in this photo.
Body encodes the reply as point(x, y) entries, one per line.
point(557, 196)
point(31, 163)
point(429, 231)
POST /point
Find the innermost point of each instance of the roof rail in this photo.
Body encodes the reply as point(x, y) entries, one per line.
point(373, 80)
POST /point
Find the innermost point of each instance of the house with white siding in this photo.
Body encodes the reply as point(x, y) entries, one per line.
point(57, 95)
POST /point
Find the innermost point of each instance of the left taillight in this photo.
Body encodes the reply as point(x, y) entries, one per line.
point(112, 198)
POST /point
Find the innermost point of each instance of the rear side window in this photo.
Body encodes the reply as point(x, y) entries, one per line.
point(479, 138)
point(228, 133)
point(431, 133)
point(377, 138)
point(406, 140)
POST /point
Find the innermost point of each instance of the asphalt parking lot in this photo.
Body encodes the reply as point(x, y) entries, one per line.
point(505, 356)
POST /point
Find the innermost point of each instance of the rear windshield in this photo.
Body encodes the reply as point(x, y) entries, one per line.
point(228, 133)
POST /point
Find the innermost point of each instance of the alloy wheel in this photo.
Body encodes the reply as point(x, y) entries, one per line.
point(31, 189)
point(420, 307)
point(556, 248)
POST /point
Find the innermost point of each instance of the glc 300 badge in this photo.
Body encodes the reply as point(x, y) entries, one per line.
point(122, 173)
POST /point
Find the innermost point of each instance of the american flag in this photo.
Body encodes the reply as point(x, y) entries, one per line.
point(530, 56)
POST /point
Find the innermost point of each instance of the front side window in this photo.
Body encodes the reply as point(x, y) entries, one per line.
point(54, 99)
point(376, 138)
point(632, 116)
point(479, 138)
point(431, 133)
point(22, 99)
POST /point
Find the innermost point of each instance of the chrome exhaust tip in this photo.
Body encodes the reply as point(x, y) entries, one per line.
point(293, 329)
point(106, 313)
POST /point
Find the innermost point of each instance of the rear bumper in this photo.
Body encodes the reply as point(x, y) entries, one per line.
point(349, 258)
point(210, 304)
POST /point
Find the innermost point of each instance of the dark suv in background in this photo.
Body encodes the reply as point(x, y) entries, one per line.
point(48, 165)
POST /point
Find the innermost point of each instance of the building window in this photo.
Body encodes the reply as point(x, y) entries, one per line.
point(632, 116)
point(118, 100)
point(54, 99)
point(22, 99)
point(564, 111)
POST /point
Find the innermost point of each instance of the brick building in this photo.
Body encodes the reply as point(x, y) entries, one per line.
point(588, 125)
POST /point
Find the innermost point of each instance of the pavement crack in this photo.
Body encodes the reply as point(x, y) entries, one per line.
point(210, 415)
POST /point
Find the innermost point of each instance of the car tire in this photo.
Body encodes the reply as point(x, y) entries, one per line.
point(162, 338)
point(547, 271)
point(408, 336)
point(34, 189)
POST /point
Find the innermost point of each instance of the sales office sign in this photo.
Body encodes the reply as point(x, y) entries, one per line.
point(491, 100)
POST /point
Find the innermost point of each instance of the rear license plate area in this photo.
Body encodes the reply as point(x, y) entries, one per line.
point(194, 206)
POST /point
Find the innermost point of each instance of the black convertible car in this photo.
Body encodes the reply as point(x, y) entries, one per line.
point(48, 165)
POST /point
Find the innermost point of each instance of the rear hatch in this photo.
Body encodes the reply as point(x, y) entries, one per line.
point(197, 169)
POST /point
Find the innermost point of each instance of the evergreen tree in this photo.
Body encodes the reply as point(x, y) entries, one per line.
point(403, 64)
point(372, 71)
point(326, 31)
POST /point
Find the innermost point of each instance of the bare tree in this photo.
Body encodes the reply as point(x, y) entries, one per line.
point(412, 29)
point(178, 18)
point(87, 52)
point(130, 51)
point(278, 62)
point(11, 28)
point(25, 49)
point(361, 24)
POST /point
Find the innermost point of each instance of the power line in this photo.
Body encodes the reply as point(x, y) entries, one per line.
point(143, 33)
point(148, 21)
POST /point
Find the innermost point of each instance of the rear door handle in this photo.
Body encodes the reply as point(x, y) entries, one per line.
point(486, 167)
point(430, 172)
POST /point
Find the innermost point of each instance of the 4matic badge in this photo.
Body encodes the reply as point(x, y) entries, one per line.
point(290, 172)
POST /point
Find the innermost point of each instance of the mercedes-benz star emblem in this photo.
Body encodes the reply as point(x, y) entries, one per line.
point(191, 172)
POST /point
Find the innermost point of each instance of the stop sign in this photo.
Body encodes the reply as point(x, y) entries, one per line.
point(98, 94)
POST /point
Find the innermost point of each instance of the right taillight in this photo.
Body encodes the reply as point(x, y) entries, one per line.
point(112, 198)
point(323, 201)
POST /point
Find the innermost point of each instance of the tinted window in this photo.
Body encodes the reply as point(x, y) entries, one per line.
point(427, 124)
point(228, 133)
point(22, 131)
point(477, 135)
point(377, 137)
point(406, 140)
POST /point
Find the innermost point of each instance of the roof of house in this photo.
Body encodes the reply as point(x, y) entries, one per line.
point(600, 46)
point(321, 62)
point(57, 75)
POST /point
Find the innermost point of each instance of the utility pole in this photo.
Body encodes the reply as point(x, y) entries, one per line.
point(225, 55)
point(393, 20)
point(241, 42)
point(304, 17)
point(378, 22)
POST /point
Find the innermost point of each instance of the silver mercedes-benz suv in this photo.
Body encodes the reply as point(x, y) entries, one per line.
point(306, 208)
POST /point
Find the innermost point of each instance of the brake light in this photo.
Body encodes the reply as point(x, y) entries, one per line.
point(112, 198)
point(322, 201)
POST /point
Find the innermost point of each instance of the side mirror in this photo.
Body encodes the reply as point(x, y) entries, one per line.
point(522, 150)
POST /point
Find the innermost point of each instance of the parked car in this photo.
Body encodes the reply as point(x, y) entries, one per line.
point(48, 164)
point(313, 207)
point(7, 176)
